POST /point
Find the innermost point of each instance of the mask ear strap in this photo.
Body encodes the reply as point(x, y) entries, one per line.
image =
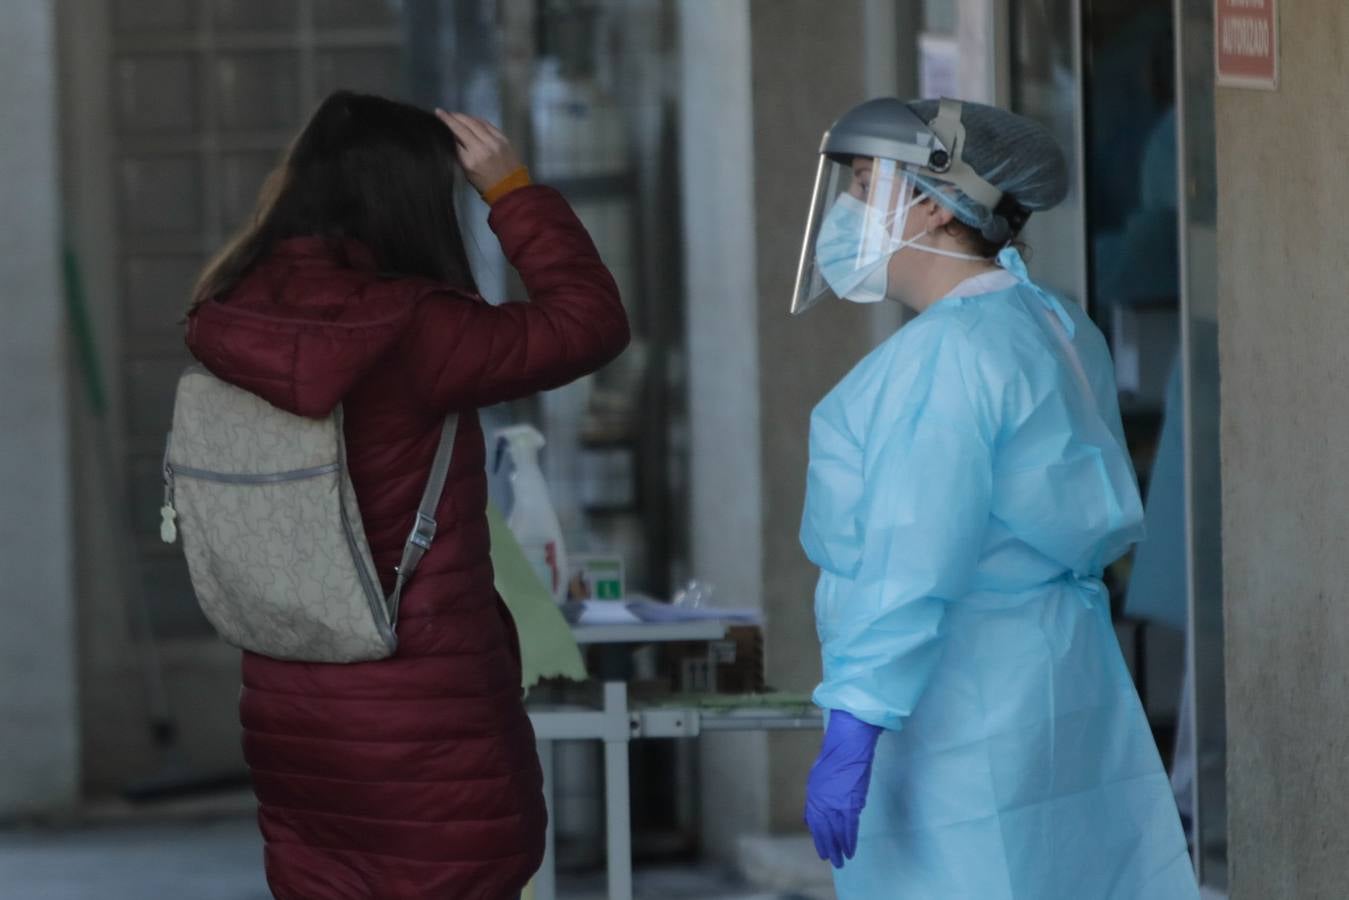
point(915, 244)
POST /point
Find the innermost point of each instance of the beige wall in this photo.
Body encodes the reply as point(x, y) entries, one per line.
point(800, 360)
point(202, 676)
point(1284, 322)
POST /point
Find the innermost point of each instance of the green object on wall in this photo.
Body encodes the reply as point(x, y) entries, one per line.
point(82, 330)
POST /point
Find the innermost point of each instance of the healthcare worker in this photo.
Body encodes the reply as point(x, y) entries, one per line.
point(968, 485)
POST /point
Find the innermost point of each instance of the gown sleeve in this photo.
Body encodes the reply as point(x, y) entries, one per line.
point(923, 516)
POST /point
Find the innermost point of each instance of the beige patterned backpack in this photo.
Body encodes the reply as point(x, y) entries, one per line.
point(271, 530)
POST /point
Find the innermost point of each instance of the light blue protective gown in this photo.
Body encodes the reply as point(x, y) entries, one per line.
point(968, 485)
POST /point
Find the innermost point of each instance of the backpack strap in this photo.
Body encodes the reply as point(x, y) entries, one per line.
point(424, 527)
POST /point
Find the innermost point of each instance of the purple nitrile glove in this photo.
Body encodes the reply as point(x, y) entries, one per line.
point(836, 791)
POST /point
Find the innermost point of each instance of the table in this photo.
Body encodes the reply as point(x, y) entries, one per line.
point(616, 724)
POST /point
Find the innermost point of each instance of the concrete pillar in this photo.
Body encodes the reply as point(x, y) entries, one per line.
point(1284, 327)
point(39, 744)
point(761, 81)
point(726, 512)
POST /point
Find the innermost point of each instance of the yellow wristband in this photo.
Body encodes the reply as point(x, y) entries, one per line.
point(512, 182)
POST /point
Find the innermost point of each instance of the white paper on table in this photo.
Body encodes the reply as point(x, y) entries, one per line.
point(607, 612)
point(654, 611)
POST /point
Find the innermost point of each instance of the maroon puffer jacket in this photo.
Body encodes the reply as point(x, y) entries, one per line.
point(415, 777)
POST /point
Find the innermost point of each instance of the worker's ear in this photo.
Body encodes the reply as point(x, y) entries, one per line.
point(934, 215)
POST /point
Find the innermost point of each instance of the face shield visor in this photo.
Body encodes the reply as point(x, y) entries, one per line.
point(856, 224)
point(871, 162)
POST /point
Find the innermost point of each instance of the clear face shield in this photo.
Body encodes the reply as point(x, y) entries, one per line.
point(856, 224)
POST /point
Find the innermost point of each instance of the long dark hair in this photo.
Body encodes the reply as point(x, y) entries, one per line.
point(366, 168)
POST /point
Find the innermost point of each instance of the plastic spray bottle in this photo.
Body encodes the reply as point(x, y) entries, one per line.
point(532, 518)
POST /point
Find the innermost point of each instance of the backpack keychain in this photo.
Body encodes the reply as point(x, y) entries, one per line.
point(168, 525)
point(168, 529)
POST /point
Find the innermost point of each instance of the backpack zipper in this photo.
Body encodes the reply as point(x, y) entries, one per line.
point(168, 526)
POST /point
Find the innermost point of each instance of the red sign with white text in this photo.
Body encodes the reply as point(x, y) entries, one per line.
point(1246, 43)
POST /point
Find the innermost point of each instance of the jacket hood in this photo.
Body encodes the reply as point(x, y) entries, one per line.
point(303, 327)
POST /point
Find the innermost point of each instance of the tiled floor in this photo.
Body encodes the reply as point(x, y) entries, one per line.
point(217, 860)
point(670, 884)
point(221, 860)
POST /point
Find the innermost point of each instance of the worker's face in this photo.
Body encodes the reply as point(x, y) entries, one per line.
point(900, 201)
point(911, 213)
point(861, 177)
point(881, 193)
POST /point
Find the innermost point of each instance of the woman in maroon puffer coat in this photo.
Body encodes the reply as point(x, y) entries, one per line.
point(413, 777)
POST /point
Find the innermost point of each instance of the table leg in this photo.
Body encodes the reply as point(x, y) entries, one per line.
point(618, 817)
point(545, 880)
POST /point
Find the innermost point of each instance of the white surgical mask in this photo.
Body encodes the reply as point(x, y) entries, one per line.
point(854, 248)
